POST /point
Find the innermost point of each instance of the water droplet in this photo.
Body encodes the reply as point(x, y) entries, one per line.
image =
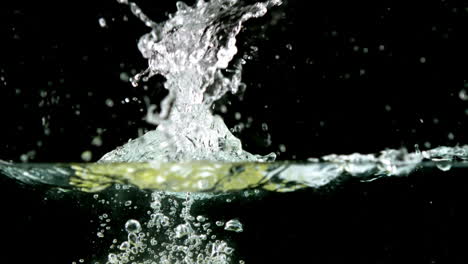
point(102, 22)
point(463, 95)
point(109, 102)
point(86, 155)
point(451, 136)
point(223, 109)
point(282, 148)
point(124, 77)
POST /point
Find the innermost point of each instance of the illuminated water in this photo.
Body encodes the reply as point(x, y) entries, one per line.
point(192, 158)
point(193, 51)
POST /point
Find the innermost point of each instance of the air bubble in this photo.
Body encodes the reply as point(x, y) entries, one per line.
point(113, 259)
point(124, 246)
point(234, 225)
point(182, 230)
point(133, 238)
point(133, 226)
point(444, 165)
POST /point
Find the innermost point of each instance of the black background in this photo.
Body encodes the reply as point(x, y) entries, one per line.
point(325, 94)
point(328, 77)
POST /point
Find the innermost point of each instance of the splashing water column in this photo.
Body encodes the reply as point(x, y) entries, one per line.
point(190, 50)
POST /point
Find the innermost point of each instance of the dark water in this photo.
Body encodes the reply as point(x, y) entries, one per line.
point(420, 218)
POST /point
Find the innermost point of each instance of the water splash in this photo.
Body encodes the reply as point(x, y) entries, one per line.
point(192, 50)
point(224, 177)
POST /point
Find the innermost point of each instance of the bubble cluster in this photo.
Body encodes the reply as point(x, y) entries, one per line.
point(172, 235)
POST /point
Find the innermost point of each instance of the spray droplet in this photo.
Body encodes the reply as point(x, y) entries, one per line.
point(97, 141)
point(109, 102)
point(102, 22)
point(463, 95)
point(124, 77)
point(282, 148)
point(451, 136)
point(86, 155)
